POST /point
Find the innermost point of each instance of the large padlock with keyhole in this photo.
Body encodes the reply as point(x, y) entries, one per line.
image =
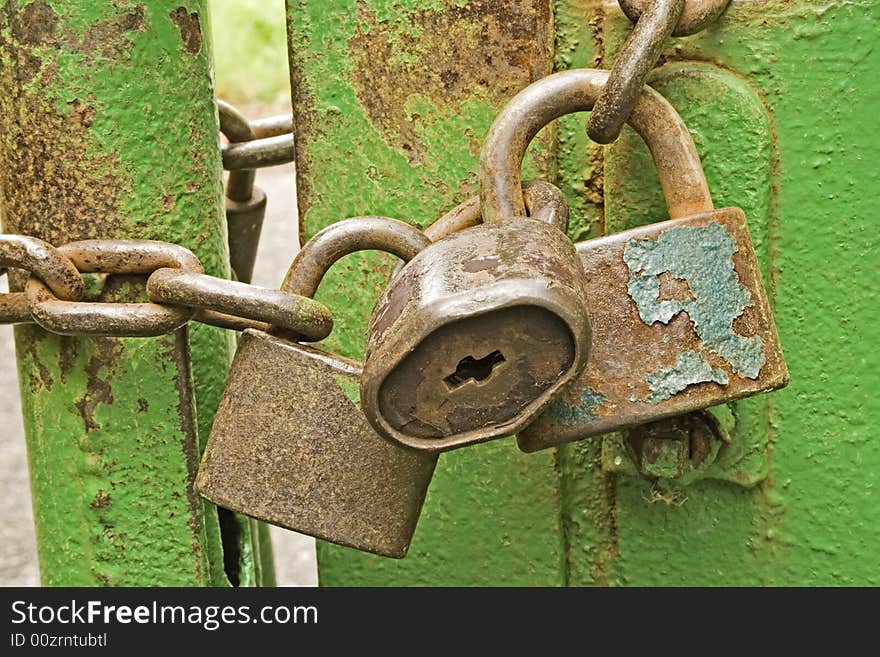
point(290, 445)
point(479, 331)
point(679, 313)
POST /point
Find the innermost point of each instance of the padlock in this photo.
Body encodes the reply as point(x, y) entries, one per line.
point(479, 331)
point(679, 313)
point(290, 445)
point(245, 202)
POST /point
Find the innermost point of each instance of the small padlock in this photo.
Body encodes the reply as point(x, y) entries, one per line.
point(678, 309)
point(289, 443)
point(479, 331)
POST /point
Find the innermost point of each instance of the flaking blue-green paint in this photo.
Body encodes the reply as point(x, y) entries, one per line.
point(690, 367)
point(583, 413)
point(702, 256)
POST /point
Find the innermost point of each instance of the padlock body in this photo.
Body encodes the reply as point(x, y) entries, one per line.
point(475, 335)
point(680, 321)
point(290, 446)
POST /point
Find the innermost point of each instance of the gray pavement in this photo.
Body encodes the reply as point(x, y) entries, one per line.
point(294, 553)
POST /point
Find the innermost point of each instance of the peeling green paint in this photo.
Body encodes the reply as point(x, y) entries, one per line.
point(775, 95)
point(401, 138)
point(774, 90)
point(581, 413)
point(690, 368)
point(94, 144)
point(702, 256)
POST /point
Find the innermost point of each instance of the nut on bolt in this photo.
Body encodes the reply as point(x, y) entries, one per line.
point(667, 449)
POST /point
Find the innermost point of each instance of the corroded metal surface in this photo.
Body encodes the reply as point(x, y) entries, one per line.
point(681, 321)
point(697, 14)
point(94, 144)
point(635, 60)
point(511, 292)
point(113, 318)
point(265, 152)
point(245, 203)
point(290, 444)
point(544, 202)
point(345, 237)
point(44, 260)
point(672, 147)
point(272, 126)
point(233, 302)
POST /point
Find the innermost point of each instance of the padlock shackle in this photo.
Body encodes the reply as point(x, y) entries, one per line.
point(544, 202)
point(678, 164)
point(368, 233)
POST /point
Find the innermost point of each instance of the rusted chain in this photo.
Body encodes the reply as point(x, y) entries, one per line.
point(112, 318)
point(46, 263)
point(272, 126)
point(177, 288)
point(697, 14)
point(237, 129)
point(266, 152)
point(655, 21)
point(234, 302)
point(636, 58)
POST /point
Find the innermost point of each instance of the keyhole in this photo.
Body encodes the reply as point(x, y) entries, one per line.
point(472, 368)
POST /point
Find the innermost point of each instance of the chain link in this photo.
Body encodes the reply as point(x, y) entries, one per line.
point(259, 153)
point(655, 21)
point(697, 14)
point(177, 288)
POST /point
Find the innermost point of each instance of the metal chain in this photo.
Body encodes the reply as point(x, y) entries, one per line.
point(177, 289)
point(255, 144)
point(655, 21)
point(176, 285)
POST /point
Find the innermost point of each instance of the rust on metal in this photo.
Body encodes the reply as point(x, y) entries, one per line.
point(697, 14)
point(259, 153)
point(671, 448)
point(236, 128)
point(238, 301)
point(112, 319)
point(544, 202)
point(43, 261)
point(477, 332)
point(393, 61)
point(245, 204)
point(290, 444)
point(636, 58)
point(349, 236)
point(272, 126)
point(681, 322)
point(678, 164)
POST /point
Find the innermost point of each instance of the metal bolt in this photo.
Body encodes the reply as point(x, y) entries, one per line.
point(669, 448)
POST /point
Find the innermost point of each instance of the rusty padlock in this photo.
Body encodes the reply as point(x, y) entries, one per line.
point(679, 314)
point(479, 331)
point(289, 443)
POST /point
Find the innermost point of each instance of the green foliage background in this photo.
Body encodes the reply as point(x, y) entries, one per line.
point(250, 51)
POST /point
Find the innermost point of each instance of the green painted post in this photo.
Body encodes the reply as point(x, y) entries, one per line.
point(781, 127)
point(390, 117)
point(108, 130)
point(391, 102)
